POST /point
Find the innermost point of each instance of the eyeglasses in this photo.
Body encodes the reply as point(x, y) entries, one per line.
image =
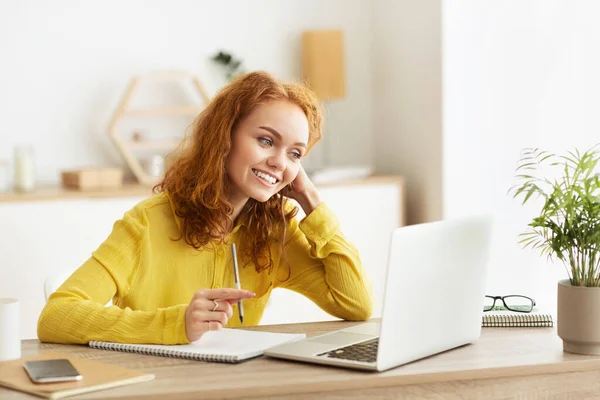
point(513, 303)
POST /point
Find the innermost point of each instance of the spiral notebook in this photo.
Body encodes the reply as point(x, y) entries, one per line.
point(507, 319)
point(225, 345)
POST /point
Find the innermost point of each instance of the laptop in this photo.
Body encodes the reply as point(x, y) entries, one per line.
point(433, 300)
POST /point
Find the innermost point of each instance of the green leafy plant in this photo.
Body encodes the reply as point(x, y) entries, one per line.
point(231, 66)
point(568, 226)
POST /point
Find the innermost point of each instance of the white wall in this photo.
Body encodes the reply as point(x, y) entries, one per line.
point(460, 88)
point(64, 65)
point(407, 89)
point(516, 74)
point(456, 88)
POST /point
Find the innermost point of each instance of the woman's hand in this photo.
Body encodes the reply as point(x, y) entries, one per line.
point(210, 309)
point(303, 191)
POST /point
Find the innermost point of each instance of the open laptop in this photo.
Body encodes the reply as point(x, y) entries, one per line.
point(433, 300)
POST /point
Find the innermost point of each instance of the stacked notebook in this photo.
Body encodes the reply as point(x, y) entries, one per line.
point(225, 345)
point(509, 319)
point(96, 376)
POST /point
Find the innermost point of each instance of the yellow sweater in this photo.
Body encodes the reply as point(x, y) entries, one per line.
point(152, 278)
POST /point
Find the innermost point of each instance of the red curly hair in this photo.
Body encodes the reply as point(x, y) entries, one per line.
point(197, 182)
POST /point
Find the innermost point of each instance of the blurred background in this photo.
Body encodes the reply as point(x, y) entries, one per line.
point(442, 95)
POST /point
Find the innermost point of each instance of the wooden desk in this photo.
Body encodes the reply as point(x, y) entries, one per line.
point(505, 363)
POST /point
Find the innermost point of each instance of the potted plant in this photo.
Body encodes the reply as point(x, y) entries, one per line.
point(233, 67)
point(567, 228)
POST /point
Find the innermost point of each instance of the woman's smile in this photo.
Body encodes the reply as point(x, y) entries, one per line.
point(265, 178)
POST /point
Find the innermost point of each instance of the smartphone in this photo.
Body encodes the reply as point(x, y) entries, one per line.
point(46, 371)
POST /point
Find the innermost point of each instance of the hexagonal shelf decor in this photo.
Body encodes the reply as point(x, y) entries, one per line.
point(129, 148)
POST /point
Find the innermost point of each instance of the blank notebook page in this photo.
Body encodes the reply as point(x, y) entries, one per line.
point(225, 345)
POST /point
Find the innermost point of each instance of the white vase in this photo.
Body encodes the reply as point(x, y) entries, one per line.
point(4, 178)
point(24, 169)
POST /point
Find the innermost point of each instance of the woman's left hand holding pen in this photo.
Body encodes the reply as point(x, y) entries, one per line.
point(210, 310)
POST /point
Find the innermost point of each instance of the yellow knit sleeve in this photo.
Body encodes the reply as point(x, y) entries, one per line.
point(325, 267)
point(76, 312)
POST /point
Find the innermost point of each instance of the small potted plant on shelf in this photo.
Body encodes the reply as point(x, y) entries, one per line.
point(568, 229)
point(233, 67)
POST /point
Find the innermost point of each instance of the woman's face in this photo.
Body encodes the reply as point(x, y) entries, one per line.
point(266, 150)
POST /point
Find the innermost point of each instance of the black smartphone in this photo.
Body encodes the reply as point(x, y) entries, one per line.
point(46, 371)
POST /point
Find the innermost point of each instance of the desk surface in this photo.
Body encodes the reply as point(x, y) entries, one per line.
point(500, 353)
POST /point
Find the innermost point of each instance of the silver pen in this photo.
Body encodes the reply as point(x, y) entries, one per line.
point(236, 274)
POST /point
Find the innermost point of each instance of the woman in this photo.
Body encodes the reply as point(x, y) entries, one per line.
point(228, 185)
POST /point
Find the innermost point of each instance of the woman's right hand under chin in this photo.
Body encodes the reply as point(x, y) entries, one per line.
point(303, 191)
point(210, 310)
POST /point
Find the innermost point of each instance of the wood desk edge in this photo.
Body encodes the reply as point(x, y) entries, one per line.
point(371, 380)
point(379, 379)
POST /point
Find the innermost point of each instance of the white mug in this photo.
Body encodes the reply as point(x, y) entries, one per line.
point(10, 338)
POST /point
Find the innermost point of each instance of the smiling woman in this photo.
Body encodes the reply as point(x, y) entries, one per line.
point(262, 160)
point(167, 265)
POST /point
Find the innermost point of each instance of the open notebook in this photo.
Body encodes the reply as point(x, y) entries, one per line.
point(225, 345)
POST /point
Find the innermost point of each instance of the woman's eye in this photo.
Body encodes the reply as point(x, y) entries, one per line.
point(266, 141)
point(296, 155)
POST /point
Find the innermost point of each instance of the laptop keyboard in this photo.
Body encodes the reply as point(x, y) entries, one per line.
point(363, 351)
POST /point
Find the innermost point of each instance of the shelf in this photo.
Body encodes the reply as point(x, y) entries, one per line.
point(56, 192)
point(147, 145)
point(166, 76)
point(191, 111)
point(127, 148)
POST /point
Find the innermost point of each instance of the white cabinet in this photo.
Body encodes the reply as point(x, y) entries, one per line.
point(54, 237)
point(46, 238)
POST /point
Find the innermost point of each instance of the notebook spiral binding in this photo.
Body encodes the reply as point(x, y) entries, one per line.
point(141, 349)
point(517, 320)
